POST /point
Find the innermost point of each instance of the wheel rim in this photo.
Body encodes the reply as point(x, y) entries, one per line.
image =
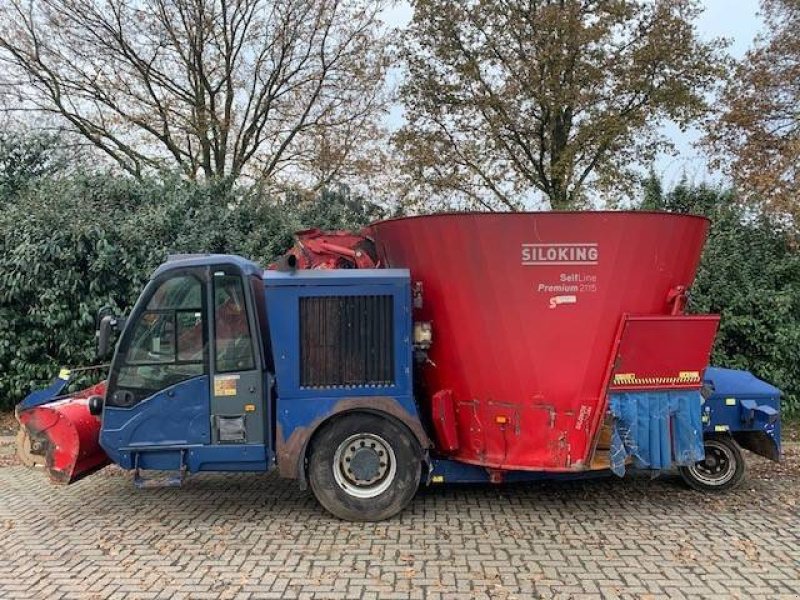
point(30, 453)
point(364, 465)
point(718, 467)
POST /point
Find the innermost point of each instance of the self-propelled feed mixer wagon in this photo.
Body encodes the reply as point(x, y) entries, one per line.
point(443, 348)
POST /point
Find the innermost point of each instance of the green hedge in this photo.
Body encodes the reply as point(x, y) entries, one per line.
point(71, 244)
point(749, 274)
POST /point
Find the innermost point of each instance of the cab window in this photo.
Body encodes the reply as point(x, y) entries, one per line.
point(168, 342)
point(232, 341)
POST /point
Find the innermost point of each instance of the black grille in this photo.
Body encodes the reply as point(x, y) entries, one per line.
point(346, 341)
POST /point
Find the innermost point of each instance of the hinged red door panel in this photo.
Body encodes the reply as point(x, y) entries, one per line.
point(663, 352)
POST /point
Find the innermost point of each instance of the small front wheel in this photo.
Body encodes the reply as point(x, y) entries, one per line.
point(29, 452)
point(722, 469)
point(364, 467)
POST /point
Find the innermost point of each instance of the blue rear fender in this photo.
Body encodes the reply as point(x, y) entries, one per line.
point(739, 405)
point(298, 420)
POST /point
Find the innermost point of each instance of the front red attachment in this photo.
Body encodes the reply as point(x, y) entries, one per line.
point(67, 435)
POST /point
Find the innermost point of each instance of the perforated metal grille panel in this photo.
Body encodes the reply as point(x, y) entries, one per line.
point(346, 341)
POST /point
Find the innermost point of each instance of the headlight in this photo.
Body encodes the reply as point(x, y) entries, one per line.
point(423, 334)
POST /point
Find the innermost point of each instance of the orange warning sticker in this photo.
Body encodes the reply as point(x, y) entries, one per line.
point(225, 385)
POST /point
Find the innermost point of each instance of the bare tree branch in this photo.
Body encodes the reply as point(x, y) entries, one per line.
point(217, 88)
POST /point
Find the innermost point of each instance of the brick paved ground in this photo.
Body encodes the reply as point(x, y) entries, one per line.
point(255, 536)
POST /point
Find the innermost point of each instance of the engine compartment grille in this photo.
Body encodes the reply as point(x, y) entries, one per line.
point(346, 341)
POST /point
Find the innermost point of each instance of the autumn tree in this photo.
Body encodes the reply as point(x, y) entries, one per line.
point(213, 88)
point(756, 138)
point(512, 101)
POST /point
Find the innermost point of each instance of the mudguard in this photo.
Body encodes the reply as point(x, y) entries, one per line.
point(739, 404)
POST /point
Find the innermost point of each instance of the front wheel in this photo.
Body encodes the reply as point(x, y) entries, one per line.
point(722, 469)
point(30, 453)
point(364, 468)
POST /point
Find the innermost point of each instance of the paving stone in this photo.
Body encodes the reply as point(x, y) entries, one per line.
point(252, 536)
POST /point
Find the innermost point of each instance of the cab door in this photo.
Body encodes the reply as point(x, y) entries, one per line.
point(157, 406)
point(239, 405)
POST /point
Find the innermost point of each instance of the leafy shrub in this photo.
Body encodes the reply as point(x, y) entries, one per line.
point(70, 244)
point(750, 274)
point(26, 156)
point(73, 244)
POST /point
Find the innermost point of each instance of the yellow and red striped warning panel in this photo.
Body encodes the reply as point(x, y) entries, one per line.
point(683, 378)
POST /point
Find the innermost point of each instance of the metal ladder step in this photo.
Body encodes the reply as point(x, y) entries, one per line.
point(174, 479)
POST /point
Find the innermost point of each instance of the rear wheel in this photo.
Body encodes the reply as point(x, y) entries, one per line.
point(364, 468)
point(722, 469)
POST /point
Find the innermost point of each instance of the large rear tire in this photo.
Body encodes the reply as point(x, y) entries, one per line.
point(722, 469)
point(363, 467)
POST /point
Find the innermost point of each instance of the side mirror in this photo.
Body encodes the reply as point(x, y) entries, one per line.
point(108, 323)
point(102, 312)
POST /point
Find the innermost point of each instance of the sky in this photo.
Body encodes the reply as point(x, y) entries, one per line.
point(736, 20)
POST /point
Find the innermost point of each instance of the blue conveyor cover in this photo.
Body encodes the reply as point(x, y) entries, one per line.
point(659, 429)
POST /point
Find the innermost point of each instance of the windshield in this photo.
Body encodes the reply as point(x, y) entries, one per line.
point(168, 342)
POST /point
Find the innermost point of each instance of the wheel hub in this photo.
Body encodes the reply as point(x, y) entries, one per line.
point(717, 468)
point(364, 465)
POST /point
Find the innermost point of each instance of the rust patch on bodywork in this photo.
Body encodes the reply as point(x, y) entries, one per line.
point(291, 452)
